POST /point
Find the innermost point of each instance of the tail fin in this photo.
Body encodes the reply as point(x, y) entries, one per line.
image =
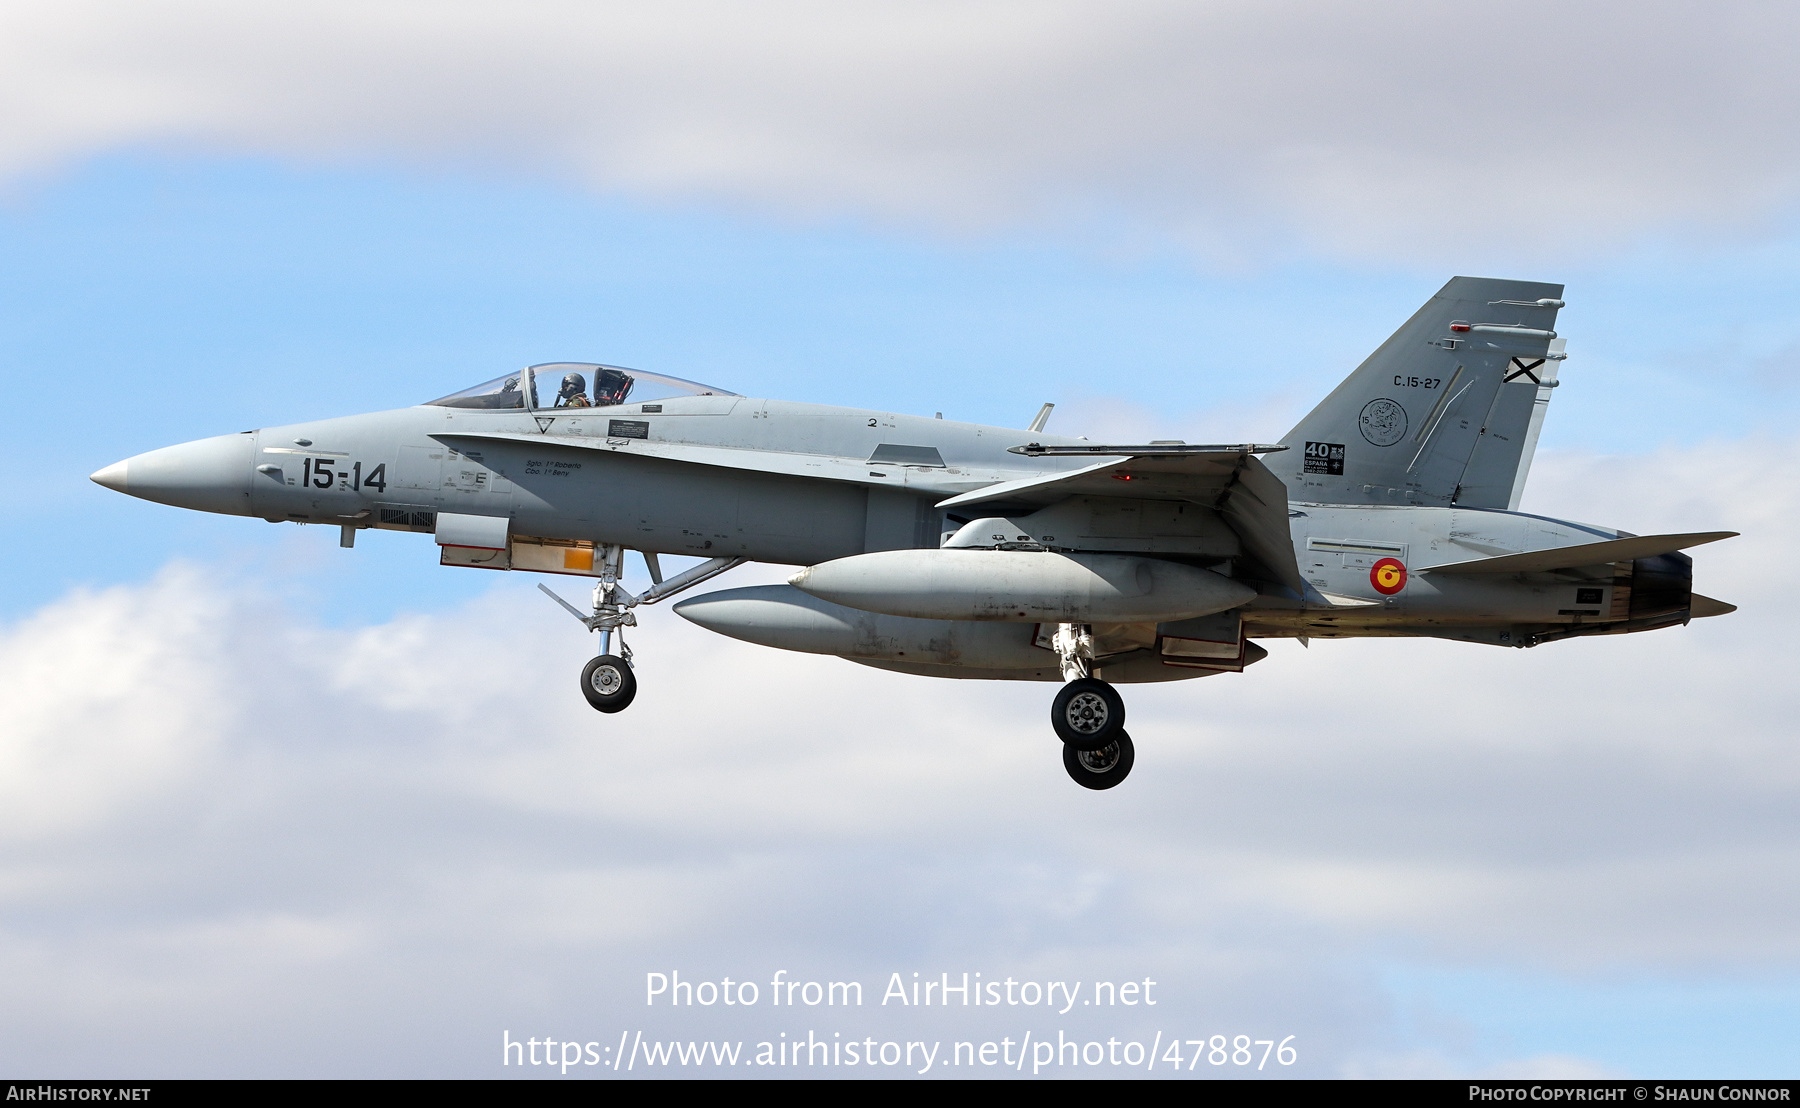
point(1447, 411)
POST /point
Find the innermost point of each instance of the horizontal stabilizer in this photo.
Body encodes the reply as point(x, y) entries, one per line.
point(1585, 554)
point(1702, 606)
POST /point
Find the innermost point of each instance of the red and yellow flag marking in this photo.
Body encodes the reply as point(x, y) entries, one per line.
point(1388, 576)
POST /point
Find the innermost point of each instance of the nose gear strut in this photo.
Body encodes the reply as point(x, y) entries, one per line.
point(608, 682)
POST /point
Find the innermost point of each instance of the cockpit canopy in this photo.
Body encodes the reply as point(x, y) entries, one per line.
point(574, 385)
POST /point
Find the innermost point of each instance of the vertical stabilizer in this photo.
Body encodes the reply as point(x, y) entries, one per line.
point(1446, 411)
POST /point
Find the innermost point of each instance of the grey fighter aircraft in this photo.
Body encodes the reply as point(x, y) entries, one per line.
point(948, 549)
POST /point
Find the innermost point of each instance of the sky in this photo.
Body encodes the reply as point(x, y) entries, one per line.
point(273, 808)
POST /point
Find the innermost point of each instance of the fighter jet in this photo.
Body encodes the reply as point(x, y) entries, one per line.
point(944, 549)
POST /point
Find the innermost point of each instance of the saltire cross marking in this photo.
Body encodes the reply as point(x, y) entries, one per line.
point(1519, 369)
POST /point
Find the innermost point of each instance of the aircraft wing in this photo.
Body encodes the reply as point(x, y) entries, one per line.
point(1584, 554)
point(1228, 479)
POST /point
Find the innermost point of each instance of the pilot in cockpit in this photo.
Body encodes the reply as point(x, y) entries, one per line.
point(573, 393)
point(611, 387)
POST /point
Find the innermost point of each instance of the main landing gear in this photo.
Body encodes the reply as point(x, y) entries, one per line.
point(608, 682)
point(1103, 768)
point(1088, 715)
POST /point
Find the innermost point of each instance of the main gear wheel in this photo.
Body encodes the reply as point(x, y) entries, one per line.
point(1087, 714)
point(1103, 768)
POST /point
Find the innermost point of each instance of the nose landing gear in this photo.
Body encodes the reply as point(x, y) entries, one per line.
point(1088, 714)
point(607, 681)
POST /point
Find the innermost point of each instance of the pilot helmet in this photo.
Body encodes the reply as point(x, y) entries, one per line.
point(574, 384)
point(611, 386)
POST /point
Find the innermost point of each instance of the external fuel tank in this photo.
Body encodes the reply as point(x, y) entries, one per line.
point(1022, 586)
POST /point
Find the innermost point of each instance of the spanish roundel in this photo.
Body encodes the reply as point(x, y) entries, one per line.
point(1388, 576)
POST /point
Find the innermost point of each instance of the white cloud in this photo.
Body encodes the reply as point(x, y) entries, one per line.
point(116, 696)
point(1424, 132)
point(236, 842)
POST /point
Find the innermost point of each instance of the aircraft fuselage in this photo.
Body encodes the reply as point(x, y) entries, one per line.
point(789, 483)
point(948, 549)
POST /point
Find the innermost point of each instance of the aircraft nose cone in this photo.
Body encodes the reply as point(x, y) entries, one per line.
point(112, 477)
point(208, 475)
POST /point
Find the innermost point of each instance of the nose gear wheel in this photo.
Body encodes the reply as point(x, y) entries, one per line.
point(608, 683)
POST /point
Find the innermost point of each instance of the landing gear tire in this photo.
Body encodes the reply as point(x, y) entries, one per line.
point(1087, 714)
point(1103, 768)
point(608, 683)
